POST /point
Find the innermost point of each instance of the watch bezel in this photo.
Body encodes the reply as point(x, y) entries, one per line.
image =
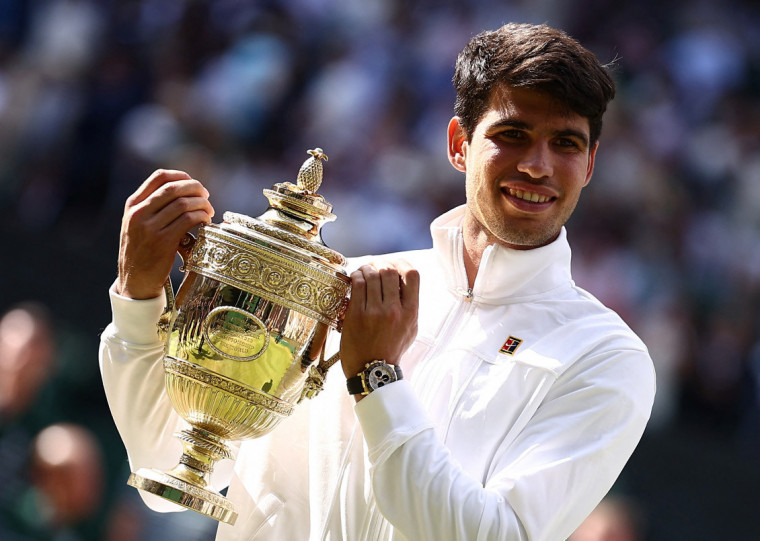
point(372, 381)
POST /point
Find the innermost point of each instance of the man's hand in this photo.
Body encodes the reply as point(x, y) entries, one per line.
point(381, 320)
point(156, 217)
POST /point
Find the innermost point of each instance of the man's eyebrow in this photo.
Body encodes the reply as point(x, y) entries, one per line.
point(510, 123)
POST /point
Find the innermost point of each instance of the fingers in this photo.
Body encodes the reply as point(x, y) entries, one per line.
point(409, 288)
point(184, 213)
point(174, 197)
point(169, 203)
point(386, 282)
point(374, 285)
point(391, 284)
point(381, 320)
point(156, 218)
point(172, 190)
point(358, 300)
point(153, 182)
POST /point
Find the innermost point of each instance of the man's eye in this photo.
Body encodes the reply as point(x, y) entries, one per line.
point(567, 142)
point(512, 134)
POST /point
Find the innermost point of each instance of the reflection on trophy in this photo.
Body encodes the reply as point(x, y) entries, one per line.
point(257, 293)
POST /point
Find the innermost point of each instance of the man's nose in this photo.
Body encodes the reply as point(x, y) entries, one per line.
point(536, 161)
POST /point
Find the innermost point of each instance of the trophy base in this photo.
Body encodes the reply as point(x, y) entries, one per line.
point(200, 500)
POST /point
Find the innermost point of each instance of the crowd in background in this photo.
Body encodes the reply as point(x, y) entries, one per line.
point(95, 95)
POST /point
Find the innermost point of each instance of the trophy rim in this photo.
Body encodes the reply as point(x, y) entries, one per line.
point(201, 500)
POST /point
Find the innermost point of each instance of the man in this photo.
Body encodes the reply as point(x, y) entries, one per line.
point(522, 397)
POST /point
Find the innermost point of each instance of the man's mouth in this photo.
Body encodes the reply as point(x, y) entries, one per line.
point(529, 196)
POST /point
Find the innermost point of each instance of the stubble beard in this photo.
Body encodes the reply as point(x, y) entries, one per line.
point(508, 231)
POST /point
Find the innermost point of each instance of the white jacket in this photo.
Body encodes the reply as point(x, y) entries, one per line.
point(474, 444)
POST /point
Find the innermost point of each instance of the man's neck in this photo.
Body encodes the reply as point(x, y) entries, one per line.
point(476, 240)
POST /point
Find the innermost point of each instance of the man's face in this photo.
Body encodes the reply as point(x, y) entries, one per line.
point(526, 164)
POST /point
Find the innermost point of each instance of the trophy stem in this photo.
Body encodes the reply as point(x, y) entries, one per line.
point(201, 451)
point(188, 483)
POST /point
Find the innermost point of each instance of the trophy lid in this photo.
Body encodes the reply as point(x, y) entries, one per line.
point(295, 216)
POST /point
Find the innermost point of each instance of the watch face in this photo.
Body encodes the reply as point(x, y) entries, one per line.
point(380, 374)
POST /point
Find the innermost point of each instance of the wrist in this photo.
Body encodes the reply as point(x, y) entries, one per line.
point(136, 292)
point(353, 365)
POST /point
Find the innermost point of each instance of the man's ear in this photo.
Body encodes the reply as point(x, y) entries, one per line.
point(591, 161)
point(457, 143)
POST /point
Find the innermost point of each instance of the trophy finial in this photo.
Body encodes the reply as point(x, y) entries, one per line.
point(310, 175)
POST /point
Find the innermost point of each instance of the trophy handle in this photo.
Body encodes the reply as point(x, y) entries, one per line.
point(184, 249)
point(315, 382)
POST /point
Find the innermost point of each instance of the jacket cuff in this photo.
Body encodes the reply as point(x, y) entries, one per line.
point(389, 417)
point(134, 321)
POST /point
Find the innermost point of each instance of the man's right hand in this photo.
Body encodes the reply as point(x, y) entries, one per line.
point(156, 217)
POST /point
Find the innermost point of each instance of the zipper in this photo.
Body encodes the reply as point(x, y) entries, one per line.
point(460, 311)
point(466, 293)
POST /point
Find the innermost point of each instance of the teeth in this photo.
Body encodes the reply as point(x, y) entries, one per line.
point(527, 196)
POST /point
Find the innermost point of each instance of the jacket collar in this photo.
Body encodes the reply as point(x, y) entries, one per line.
point(505, 274)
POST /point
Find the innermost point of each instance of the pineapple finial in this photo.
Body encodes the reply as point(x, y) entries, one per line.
point(310, 175)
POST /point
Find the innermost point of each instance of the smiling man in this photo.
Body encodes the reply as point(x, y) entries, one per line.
point(526, 163)
point(485, 395)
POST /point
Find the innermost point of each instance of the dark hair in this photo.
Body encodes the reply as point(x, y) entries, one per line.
point(536, 57)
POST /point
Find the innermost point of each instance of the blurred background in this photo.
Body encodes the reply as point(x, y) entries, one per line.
point(95, 95)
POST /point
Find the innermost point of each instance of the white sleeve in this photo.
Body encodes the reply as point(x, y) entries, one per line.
point(541, 485)
point(131, 366)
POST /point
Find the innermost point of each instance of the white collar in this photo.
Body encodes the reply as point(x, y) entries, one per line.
point(505, 274)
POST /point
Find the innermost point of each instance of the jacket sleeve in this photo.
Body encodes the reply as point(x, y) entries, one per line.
point(131, 366)
point(541, 484)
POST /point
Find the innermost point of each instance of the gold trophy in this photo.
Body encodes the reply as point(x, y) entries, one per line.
point(257, 293)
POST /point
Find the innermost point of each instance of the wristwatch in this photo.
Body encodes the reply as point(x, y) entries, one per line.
point(376, 374)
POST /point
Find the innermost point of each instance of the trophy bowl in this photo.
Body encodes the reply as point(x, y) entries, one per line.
point(257, 294)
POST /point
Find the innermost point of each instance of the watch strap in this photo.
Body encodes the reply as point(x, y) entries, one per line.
point(355, 385)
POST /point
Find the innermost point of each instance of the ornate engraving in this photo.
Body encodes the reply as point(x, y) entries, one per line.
point(289, 238)
point(195, 464)
point(256, 269)
point(254, 397)
point(193, 497)
point(235, 334)
point(211, 443)
point(192, 490)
